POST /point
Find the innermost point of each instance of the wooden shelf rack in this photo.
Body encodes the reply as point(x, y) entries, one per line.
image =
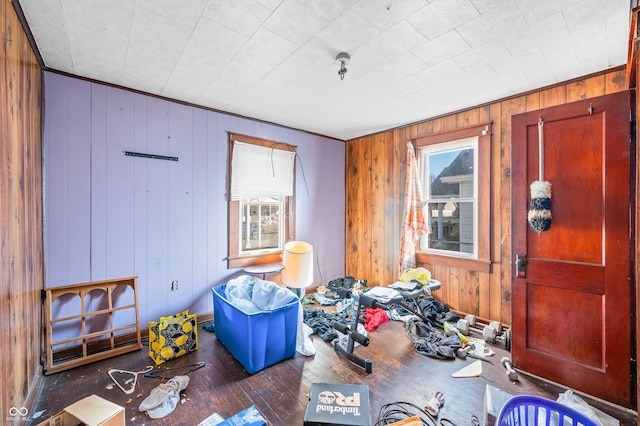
point(91, 344)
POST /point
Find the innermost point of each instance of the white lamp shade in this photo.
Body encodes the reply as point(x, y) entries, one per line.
point(298, 264)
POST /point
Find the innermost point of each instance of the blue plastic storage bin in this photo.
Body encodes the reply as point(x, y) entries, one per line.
point(256, 340)
point(530, 410)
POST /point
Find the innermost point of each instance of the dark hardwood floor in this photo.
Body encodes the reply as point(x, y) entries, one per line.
point(280, 392)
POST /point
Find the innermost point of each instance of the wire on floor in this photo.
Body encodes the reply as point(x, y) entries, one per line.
point(401, 410)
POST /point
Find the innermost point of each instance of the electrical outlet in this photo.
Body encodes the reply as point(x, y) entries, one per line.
point(174, 285)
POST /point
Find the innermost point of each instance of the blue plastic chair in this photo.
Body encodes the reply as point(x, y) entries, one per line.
point(530, 410)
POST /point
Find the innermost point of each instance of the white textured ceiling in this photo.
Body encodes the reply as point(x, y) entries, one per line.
point(274, 60)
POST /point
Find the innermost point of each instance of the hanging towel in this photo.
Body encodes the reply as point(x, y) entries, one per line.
point(413, 222)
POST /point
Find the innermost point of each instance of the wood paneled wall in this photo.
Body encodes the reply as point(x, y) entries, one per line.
point(21, 259)
point(109, 215)
point(375, 190)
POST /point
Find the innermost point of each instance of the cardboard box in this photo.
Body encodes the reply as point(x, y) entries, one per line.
point(91, 411)
point(494, 400)
point(338, 404)
point(256, 340)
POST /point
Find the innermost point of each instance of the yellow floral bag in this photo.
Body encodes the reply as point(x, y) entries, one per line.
point(172, 337)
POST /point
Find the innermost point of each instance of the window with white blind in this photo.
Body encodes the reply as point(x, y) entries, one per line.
point(260, 193)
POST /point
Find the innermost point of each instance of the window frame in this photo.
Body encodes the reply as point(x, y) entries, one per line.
point(234, 258)
point(482, 263)
point(453, 146)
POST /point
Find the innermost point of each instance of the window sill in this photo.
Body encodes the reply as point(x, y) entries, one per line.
point(477, 265)
point(260, 259)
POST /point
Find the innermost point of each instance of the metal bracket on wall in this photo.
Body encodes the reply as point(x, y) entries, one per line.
point(153, 156)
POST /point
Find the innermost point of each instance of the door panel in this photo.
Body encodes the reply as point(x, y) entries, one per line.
point(571, 320)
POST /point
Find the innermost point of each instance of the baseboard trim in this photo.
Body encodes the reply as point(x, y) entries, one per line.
point(35, 388)
point(99, 345)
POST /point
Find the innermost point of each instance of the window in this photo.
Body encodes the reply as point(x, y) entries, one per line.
point(450, 185)
point(260, 225)
point(455, 169)
point(260, 181)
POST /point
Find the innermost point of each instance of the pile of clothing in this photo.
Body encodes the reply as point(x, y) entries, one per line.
point(430, 342)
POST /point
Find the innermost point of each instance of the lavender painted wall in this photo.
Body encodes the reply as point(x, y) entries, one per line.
point(108, 215)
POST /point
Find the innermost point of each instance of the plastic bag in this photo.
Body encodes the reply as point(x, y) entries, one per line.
point(253, 295)
point(421, 275)
point(572, 400)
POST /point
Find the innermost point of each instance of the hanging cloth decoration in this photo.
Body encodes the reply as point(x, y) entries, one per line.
point(540, 211)
point(414, 224)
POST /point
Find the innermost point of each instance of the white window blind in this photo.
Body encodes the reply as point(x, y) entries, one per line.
point(258, 171)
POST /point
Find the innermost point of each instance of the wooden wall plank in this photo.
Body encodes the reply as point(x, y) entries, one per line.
point(467, 118)
point(148, 215)
point(99, 126)
point(393, 211)
point(469, 290)
point(180, 229)
point(354, 208)
point(21, 224)
point(423, 129)
point(56, 164)
point(379, 163)
point(586, 88)
point(533, 101)
point(487, 287)
point(500, 309)
point(615, 82)
point(199, 214)
point(78, 185)
point(552, 97)
point(453, 280)
point(118, 179)
point(487, 295)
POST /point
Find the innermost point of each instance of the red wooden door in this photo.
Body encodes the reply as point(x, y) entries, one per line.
point(571, 303)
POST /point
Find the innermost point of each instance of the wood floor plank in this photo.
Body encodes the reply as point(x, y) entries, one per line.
point(281, 392)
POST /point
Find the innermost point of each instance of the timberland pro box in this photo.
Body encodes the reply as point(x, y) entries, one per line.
point(90, 411)
point(338, 404)
point(256, 340)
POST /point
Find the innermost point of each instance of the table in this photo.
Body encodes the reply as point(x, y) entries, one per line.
point(269, 268)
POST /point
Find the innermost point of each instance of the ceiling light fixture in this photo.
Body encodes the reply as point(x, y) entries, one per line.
point(344, 59)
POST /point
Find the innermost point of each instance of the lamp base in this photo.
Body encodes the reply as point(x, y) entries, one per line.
point(300, 292)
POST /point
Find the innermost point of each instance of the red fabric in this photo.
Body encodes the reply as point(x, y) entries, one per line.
point(374, 317)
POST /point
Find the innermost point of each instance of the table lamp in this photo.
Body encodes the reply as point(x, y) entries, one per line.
point(298, 266)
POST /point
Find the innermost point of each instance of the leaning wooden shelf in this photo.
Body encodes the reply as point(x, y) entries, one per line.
point(87, 347)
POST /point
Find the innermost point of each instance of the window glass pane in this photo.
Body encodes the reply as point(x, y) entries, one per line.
point(449, 176)
point(451, 173)
point(451, 226)
point(260, 224)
